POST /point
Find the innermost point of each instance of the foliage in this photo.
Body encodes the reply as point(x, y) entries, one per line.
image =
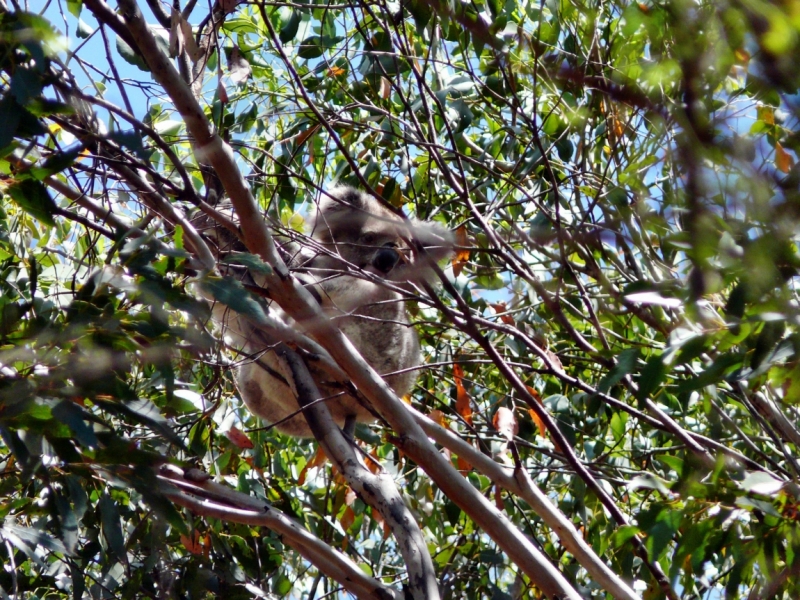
point(623, 183)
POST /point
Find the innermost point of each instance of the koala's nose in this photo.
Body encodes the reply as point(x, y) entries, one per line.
point(385, 259)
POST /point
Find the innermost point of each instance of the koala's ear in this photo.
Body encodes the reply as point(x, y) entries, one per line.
point(342, 199)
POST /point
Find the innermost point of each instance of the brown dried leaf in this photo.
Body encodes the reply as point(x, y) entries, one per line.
point(462, 255)
point(192, 49)
point(222, 92)
point(505, 422)
point(228, 5)
point(386, 88)
point(783, 160)
point(319, 459)
point(500, 307)
point(498, 498)
point(175, 33)
point(239, 438)
point(192, 544)
point(348, 518)
point(536, 419)
point(463, 405)
point(374, 465)
point(554, 359)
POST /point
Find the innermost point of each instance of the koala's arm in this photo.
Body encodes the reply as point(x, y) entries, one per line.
point(344, 293)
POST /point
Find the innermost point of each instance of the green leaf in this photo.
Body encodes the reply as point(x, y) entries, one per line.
point(84, 29)
point(231, 293)
point(32, 196)
point(131, 139)
point(289, 24)
point(68, 523)
point(623, 533)
point(251, 261)
point(626, 363)
point(10, 117)
point(651, 377)
point(25, 85)
point(74, 7)
point(29, 540)
point(311, 47)
point(112, 528)
point(73, 416)
point(143, 411)
point(131, 56)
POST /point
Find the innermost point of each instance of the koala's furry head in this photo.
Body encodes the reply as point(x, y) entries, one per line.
point(371, 237)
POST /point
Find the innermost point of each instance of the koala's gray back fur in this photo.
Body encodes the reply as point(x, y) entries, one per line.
point(358, 244)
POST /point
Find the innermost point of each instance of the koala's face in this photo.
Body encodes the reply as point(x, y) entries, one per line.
point(368, 244)
point(358, 231)
point(361, 232)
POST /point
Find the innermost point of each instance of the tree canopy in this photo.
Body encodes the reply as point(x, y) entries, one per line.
point(609, 402)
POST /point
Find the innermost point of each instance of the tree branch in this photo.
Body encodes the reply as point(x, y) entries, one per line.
point(197, 492)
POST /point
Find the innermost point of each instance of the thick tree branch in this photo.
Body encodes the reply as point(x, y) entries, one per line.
point(197, 492)
point(519, 482)
point(378, 491)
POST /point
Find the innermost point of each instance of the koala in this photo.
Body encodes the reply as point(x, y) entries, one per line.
point(359, 259)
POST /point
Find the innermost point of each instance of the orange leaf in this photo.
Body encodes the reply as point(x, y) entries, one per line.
point(304, 135)
point(386, 88)
point(498, 498)
point(378, 518)
point(766, 114)
point(387, 531)
point(192, 544)
point(463, 465)
point(374, 465)
point(336, 71)
point(239, 438)
point(500, 307)
point(463, 406)
point(505, 422)
point(348, 518)
point(539, 423)
point(349, 496)
point(319, 459)
point(437, 417)
point(783, 160)
point(619, 128)
point(462, 255)
point(536, 419)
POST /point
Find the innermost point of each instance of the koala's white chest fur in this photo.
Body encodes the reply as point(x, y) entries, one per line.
point(361, 253)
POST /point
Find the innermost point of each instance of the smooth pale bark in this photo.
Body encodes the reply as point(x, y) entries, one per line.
point(518, 482)
point(379, 491)
point(195, 491)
